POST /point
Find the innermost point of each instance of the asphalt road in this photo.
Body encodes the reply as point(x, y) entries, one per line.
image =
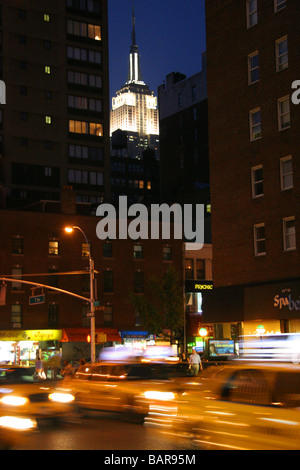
point(104, 432)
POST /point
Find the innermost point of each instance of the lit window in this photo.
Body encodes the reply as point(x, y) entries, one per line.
point(189, 269)
point(46, 17)
point(255, 124)
point(284, 117)
point(138, 251)
point(259, 240)
point(282, 58)
point(47, 69)
point(289, 234)
point(48, 119)
point(53, 248)
point(17, 273)
point(253, 70)
point(286, 173)
point(257, 181)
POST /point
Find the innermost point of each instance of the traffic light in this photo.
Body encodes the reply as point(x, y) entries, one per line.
point(88, 338)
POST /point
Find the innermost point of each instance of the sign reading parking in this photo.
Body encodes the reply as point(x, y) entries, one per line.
point(37, 299)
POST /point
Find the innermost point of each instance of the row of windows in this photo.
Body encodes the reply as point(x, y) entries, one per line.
point(136, 184)
point(107, 277)
point(85, 177)
point(288, 236)
point(107, 249)
point(282, 60)
point(252, 10)
point(85, 30)
point(84, 79)
point(84, 55)
point(286, 177)
point(53, 315)
point(283, 118)
point(84, 103)
point(86, 127)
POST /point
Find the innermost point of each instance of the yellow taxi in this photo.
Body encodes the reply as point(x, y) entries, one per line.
point(242, 407)
point(24, 402)
point(131, 388)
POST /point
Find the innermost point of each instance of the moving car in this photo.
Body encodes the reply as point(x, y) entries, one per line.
point(24, 402)
point(242, 407)
point(130, 388)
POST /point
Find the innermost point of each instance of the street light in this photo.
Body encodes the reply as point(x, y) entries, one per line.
point(203, 334)
point(91, 273)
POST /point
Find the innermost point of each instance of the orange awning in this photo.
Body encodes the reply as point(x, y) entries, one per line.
point(80, 334)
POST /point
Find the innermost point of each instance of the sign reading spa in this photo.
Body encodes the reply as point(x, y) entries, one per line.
point(286, 300)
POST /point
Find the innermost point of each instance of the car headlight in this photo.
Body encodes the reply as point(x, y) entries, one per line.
point(19, 424)
point(12, 400)
point(162, 396)
point(61, 397)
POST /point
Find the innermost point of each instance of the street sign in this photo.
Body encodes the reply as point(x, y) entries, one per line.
point(37, 299)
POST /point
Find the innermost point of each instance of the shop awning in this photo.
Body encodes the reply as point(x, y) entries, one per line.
point(80, 334)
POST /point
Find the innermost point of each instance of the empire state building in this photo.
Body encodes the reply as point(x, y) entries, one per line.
point(134, 113)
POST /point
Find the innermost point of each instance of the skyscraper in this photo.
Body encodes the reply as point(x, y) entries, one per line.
point(134, 109)
point(54, 129)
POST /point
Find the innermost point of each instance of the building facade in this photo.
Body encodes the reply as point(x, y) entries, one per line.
point(35, 248)
point(134, 109)
point(254, 164)
point(55, 123)
point(184, 159)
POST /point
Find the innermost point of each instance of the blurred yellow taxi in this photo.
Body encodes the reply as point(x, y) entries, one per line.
point(130, 388)
point(242, 407)
point(24, 402)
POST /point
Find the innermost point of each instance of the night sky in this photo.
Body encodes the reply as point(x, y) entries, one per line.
point(170, 35)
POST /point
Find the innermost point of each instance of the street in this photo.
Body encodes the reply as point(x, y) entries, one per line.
point(104, 432)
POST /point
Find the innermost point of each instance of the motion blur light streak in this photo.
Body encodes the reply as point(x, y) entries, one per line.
point(281, 421)
point(19, 424)
point(14, 401)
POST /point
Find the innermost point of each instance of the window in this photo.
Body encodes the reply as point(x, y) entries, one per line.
point(200, 269)
point(77, 28)
point(167, 253)
point(84, 127)
point(108, 315)
point(189, 269)
point(107, 250)
point(286, 173)
point(253, 69)
point(16, 316)
point(289, 234)
point(138, 282)
point(48, 119)
point(46, 17)
point(138, 252)
point(17, 273)
point(252, 16)
point(257, 181)
point(255, 124)
point(85, 250)
point(279, 5)
point(47, 69)
point(53, 248)
point(180, 100)
point(281, 47)
point(283, 109)
point(259, 240)
point(108, 281)
point(53, 315)
point(53, 277)
point(17, 245)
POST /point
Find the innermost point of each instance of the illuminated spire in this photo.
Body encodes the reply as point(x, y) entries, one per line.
point(134, 74)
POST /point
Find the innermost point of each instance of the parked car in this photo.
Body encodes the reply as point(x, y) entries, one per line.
point(130, 388)
point(24, 402)
point(244, 406)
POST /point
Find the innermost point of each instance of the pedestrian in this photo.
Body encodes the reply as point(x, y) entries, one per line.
point(82, 362)
point(67, 371)
point(195, 362)
point(39, 369)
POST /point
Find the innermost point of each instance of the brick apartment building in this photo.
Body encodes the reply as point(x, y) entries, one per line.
point(54, 127)
point(35, 247)
point(253, 57)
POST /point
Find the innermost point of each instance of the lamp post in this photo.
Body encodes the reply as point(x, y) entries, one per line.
point(91, 273)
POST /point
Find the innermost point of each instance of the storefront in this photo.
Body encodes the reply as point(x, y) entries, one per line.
point(21, 347)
